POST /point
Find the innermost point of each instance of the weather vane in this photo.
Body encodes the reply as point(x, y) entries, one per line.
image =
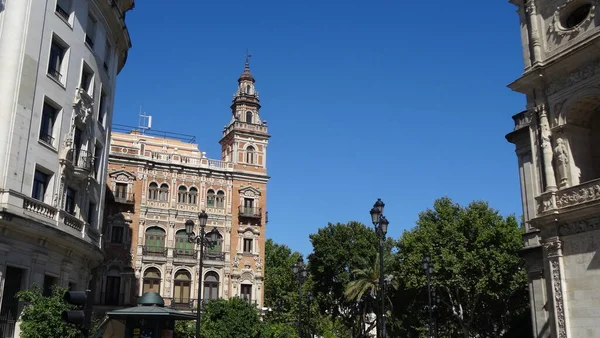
point(248, 55)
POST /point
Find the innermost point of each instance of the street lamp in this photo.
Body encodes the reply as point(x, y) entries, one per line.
point(301, 272)
point(428, 269)
point(381, 226)
point(309, 298)
point(202, 239)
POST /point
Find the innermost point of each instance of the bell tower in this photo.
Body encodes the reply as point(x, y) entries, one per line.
point(245, 138)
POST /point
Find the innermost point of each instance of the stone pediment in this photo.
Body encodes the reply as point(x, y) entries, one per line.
point(249, 192)
point(122, 176)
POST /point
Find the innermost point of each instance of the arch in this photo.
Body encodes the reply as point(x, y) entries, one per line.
point(153, 191)
point(211, 285)
point(163, 192)
point(193, 195)
point(152, 280)
point(220, 199)
point(576, 158)
point(112, 286)
point(210, 198)
point(250, 154)
point(182, 287)
point(216, 248)
point(182, 194)
point(154, 238)
point(183, 247)
point(248, 117)
point(248, 89)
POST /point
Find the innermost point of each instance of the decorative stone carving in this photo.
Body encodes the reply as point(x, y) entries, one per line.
point(581, 195)
point(556, 27)
point(577, 76)
point(558, 298)
point(546, 147)
point(553, 246)
point(82, 106)
point(236, 261)
point(579, 227)
point(562, 162)
point(257, 263)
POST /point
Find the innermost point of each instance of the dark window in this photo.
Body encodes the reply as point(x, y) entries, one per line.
point(86, 79)
point(182, 194)
point(220, 200)
point(57, 55)
point(63, 8)
point(164, 192)
point(153, 191)
point(577, 16)
point(116, 235)
point(248, 245)
point(49, 281)
point(77, 143)
point(121, 190)
point(193, 195)
point(182, 283)
point(151, 280)
point(155, 238)
point(102, 107)
point(250, 155)
point(40, 184)
point(211, 286)
point(248, 117)
point(246, 291)
point(49, 114)
point(210, 198)
point(97, 160)
point(90, 31)
point(91, 213)
point(70, 201)
point(113, 288)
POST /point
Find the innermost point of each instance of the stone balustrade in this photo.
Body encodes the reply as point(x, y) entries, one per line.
point(569, 197)
point(39, 207)
point(172, 158)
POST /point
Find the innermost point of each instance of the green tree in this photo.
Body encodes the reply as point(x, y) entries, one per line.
point(281, 286)
point(478, 273)
point(185, 329)
point(41, 317)
point(231, 318)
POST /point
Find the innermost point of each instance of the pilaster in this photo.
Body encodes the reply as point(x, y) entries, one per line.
point(553, 246)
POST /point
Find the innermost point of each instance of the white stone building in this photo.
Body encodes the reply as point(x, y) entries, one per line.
point(559, 165)
point(59, 60)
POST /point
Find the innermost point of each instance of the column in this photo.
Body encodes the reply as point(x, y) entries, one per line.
point(553, 248)
point(534, 33)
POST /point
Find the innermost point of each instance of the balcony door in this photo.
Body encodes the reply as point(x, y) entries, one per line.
point(181, 292)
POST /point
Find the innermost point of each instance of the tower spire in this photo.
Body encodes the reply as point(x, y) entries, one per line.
point(247, 65)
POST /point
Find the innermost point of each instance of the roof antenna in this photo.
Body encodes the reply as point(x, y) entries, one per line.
point(144, 122)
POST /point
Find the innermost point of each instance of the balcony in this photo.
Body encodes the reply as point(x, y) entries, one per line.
point(250, 212)
point(214, 256)
point(154, 251)
point(183, 304)
point(185, 253)
point(83, 164)
point(124, 198)
point(578, 196)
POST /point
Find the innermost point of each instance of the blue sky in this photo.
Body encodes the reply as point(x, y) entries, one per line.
point(400, 100)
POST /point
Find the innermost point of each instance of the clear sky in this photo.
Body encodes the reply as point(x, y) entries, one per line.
point(401, 100)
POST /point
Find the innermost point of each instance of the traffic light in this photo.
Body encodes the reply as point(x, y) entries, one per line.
point(82, 315)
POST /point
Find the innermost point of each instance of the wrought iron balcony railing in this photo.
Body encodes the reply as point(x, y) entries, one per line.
point(251, 212)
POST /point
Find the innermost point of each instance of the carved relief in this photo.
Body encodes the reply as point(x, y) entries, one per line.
point(579, 227)
point(553, 246)
point(581, 195)
point(82, 106)
point(558, 298)
point(577, 76)
point(556, 26)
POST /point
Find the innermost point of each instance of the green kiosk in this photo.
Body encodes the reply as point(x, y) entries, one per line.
point(150, 319)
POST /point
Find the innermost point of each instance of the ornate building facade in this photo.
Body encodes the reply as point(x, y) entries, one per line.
point(559, 165)
point(59, 61)
point(156, 183)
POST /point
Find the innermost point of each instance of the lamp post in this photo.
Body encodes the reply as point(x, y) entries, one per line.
point(428, 269)
point(381, 225)
point(309, 298)
point(301, 272)
point(202, 239)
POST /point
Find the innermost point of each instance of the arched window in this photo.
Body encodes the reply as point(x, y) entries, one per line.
point(164, 192)
point(193, 196)
point(154, 240)
point(248, 117)
point(112, 287)
point(183, 247)
point(220, 200)
point(214, 251)
point(250, 155)
point(210, 198)
point(248, 89)
point(181, 294)
point(211, 286)
point(182, 194)
point(151, 280)
point(153, 191)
